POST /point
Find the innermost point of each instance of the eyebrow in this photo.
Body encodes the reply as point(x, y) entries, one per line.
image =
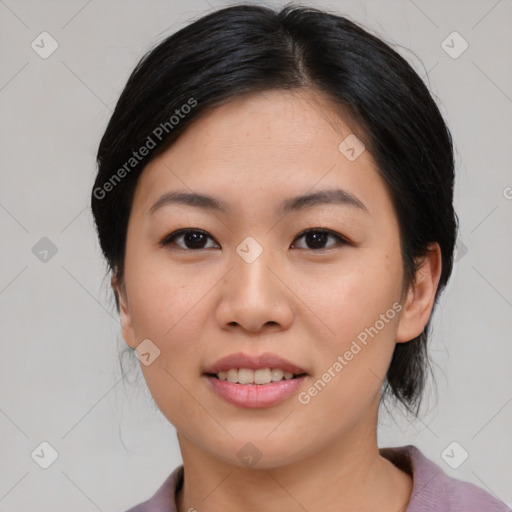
point(206, 202)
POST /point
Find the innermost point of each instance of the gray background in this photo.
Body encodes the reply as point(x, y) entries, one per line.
point(61, 382)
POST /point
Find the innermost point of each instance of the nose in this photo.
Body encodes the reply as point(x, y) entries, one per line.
point(254, 297)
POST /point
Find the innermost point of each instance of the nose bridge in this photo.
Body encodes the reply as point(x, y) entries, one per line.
point(253, 295)
point(252, 278)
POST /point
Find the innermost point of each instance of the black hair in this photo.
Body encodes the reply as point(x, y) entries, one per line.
point(247, 49)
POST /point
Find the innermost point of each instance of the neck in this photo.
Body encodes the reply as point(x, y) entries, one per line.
point(346, 475)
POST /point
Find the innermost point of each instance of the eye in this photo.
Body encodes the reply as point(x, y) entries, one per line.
point(317, 237)
point(196, 239)
point(193, 239)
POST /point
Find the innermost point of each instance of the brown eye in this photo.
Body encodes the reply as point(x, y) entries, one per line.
point(316, 238)
point(189, 239)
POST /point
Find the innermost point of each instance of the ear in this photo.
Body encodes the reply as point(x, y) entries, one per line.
point(127, 329)
point(421, 296)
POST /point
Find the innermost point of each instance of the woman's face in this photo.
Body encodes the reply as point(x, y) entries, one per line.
point(247, 281)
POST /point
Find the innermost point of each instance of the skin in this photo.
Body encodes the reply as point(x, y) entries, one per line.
point(302, 303)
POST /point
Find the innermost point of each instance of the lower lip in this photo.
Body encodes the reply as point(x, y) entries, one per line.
point(255, 395)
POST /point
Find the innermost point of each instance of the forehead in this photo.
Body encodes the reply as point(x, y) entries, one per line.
point(263, 146)
point(295, 119)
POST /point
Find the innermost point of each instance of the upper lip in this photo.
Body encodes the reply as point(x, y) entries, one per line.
point(254, 362)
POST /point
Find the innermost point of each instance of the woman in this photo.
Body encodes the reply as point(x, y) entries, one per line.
point(274, 201)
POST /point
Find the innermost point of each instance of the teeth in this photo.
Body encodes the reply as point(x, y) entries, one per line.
point(260, 376)
point(245, 376)
point(277, 374)
point(232, 375)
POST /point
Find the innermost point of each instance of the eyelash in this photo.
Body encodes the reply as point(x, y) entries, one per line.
point(168, 239)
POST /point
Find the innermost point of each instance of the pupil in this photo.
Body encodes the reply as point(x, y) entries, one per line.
point(316, 238)
point(194, 239)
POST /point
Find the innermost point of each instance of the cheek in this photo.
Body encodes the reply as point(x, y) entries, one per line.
point(349, 296)
point(169, 311)
point(360, 307)
point(172, 308)
point(164, 298)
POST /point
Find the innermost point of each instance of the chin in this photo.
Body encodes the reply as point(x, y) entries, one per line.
point(258, 452)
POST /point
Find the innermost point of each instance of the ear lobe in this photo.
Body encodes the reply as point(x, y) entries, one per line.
point(127, 329)
point(420, 296)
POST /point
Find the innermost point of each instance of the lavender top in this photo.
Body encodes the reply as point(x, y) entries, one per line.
point(433, 490)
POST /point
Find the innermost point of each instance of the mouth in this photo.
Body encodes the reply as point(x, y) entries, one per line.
point(254, 380)
point(262, 388)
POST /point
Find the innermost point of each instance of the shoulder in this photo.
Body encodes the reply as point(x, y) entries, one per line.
point(164, 499)
point(434, 490)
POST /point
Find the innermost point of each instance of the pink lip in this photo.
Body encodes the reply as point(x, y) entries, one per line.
point(255, 395)
point(241, 360)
